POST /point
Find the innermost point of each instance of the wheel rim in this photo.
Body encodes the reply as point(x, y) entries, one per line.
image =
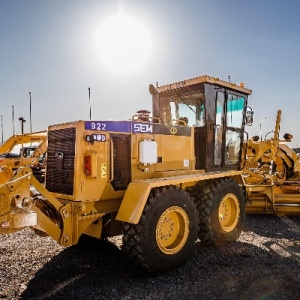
point(229, 212)
point(172, 230)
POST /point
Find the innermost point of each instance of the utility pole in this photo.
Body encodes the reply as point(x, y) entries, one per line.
point(13, 119)
point(30, 112)
point(2, 127)
point(22, 124)
point(89, 89)
point(260, 128)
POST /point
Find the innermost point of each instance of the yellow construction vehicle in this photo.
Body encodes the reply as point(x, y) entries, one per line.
point(32, 155)
point(8, 145)
point(162, 180)
point(271, 174)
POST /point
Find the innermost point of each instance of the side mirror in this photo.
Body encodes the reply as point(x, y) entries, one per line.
point(249, 116)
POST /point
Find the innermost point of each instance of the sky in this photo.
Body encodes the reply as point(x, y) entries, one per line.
point(57, 50)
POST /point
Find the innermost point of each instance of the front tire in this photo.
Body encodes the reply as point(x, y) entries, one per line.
point(165, 236)
point(221, 205)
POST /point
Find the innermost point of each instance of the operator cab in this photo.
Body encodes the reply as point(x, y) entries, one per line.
point(27, 151)
point(216, 109)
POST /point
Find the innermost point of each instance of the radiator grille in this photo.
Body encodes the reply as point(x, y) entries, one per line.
point(122, 162)
point(60, 161)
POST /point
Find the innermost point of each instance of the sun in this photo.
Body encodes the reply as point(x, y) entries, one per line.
point(124, 43)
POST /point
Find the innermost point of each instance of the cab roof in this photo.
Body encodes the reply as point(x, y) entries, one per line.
point(204, 79)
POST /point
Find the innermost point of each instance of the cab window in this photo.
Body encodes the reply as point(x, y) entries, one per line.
point(219, 128)
point(235, 107)
point(186, 107)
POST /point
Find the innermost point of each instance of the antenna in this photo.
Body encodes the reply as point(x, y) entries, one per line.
point(89, 89)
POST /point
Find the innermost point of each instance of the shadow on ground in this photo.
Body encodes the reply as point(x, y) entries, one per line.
point(99, 270)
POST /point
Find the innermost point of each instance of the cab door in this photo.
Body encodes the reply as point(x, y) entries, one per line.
point(234, 129)
point(228, 129)
point(219, 129)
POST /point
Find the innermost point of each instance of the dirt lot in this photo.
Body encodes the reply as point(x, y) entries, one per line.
point(263, 264)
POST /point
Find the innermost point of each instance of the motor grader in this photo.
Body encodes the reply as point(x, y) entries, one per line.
point(160, 180)
point(271, 175)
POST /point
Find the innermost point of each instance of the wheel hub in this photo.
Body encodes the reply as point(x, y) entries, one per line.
point(229, 212)
point(172, 230)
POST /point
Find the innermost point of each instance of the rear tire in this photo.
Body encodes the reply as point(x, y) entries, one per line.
point(221, 205)
point(165, 236)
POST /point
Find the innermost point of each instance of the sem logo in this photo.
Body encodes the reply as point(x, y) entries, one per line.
point(173, 130)
point(142, 127)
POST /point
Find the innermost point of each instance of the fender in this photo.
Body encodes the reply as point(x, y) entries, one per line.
point(138, 192)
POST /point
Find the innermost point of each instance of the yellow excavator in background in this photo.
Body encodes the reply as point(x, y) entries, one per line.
point(32, 155)
point(17, 139)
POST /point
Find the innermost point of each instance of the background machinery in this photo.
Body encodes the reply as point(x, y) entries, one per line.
point(161, 180)
point(271, 174)
point(18, 139)
point(33, 154)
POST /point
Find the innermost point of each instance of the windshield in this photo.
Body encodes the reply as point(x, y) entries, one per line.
point(184, 110)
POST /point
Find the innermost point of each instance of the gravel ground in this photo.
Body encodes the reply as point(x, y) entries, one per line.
point(263, 264)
